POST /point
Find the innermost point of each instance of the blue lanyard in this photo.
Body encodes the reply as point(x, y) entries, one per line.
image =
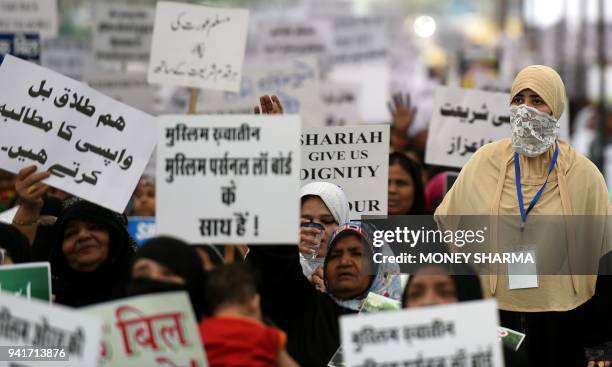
point(519, 191)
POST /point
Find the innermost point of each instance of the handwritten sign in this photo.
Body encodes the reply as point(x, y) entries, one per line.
point(31, 280)
point(232, 177)
point(341, 103)
point(463, 334)
point(38, 16)
point(94, 147)
point(71, 57)
point(464, 120)
point(358, 40)
point(141, 229)
point(25, 46)
point(129, 88)
point(122, 32)
point(167, 320)
point(296, 83)
point(291, 39)
point(33, 323)
point(355, 158)
point(198, 46)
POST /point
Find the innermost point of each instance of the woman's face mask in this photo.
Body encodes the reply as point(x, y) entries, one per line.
point(533, 131)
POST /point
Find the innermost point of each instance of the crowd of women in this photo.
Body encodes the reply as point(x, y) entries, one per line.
point(280, 305)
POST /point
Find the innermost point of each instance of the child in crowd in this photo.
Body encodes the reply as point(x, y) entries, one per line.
point(144, 197)
point(235, 334)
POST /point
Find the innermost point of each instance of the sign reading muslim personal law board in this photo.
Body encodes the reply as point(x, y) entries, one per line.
point(93, 146)
point(356, 158)
point(167, 322)
point(198, 46)
point(463, 334)
point(47, 333)
point(234, 178)
point(464, 120)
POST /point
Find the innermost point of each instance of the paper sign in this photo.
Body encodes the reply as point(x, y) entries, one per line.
point(33, 323)
point(71, 57)
point(459, 334)
point(25, 46)
point(464, 120)
point(341, 103)
point(235, 178)
point(296, 83)
point(355, 158)
point(129, 88)
point(122, 32)
point(167, 321)
point(358, 40)
point(291, 39)
point(31, 280)
point(198, 46)
point(141, 229)
point(95, 148)
point(8, 215)
point(29, 16)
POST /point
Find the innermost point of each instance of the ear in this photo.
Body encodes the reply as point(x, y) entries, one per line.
point(255, 302)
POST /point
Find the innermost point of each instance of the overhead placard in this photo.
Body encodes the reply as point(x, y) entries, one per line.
point(341, 103)
point(71, 57)
point(93, 146)
point(198, 46)
point(463, 334)
point(355, 158)
point(358, 40)
point(463, 121)
point(231, 176)
point(39, 16)
point(291, 39)
point(129, 88)
point(25, 46)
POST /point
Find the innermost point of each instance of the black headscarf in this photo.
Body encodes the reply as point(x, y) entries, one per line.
point(107, 282)
point(15, 243)
point(183, 260)
point(414, 170)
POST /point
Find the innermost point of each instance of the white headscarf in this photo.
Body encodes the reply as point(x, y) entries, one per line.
point(332, 195)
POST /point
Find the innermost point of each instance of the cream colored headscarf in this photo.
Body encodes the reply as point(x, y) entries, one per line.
point(545, 82)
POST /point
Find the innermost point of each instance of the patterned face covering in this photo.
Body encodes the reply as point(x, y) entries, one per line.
point(533, 131)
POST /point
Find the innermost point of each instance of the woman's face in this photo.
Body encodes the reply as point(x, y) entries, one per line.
point(348, 268)
point(401, 190)
point(531, 99)
point(85, 245)
point(314, 209)
point(144, 200)
point(430, 286)
point(151, 269)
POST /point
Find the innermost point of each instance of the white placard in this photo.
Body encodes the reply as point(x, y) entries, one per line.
point(235, 178)
point(29, 16)
point(355, 158)
point(296, 83)
point(291, 39)
point(8, 215)
point(129, 88)
point(341, 102)
point(358, 40)
point(122, 32)
point(198, 46)
point(463, 333)
point(50, 326)
point(95, 147)
point(463, 120)
point(71, 57)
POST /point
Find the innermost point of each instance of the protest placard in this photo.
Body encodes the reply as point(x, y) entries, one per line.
point(359, 39)
point(464, 120)
point(25, 46)
point(47, 333)
point(93, 146)
point(71, 57)
point(141, 229)
point(122, 32)
point(296, 83)
point(8, 215)
point(198, 46)
point(173, 338)
point(290, 39)
point(234, 178)
point(341, 102)
point(30, 280)
point(39, 16)
point(129, 88)
point(458, 334)
point(355, 158)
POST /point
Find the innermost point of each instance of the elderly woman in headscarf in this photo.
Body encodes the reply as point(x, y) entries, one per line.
point(308, 316)
point(535, 173)
point(90, 255)
point(165, 264)
point(326, 204)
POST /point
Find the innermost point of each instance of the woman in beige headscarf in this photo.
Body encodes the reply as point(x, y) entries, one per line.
point(563, 183)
